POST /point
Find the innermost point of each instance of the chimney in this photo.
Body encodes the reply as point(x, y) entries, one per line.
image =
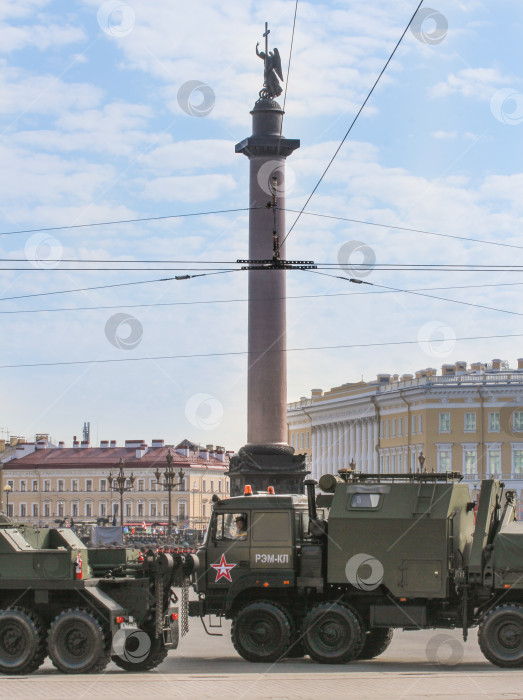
point(113, 443)
point(157, 443)
point(61, 445)
point(210, 448)
point(229, 453)
point(2, 445)
point(448, 370)
point(183, 451)
point(460, 366)
point(431, 371)
point(41, 445)
point(496, 364)
point(316, 393)
point(520, 363)
point(204, 453)
point(104, 444)
point(134, 443)
point(76, 444)
point(84, 444)
point(220, 454)
point(395, 377)
point(141, 451)
point(406, 377)
point(383, 378)
point(476, 367)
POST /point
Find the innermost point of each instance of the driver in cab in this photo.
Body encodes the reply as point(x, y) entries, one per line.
point(241, 527)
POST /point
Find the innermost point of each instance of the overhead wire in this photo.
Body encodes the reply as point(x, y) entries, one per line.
point(246, 352)
point(291, 297)
point(354, 120)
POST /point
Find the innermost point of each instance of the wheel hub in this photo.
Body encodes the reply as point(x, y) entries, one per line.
point(510, 635)
point(12, 641)
point(76, 643)
point(331, 634)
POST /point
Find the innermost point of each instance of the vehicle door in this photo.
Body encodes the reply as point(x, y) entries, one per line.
point(227, 549)
point(272, 540)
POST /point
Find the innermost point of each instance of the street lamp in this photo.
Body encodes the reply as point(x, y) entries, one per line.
point(7, 491)
point(421, 460)
point(169, 484)
point(118, 483)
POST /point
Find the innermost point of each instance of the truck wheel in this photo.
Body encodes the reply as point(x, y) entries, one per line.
point(333, 634)
point(375, 643)
point(262, 632)
point(22, 641)
point(76, 643)
point(141, 654)
point(500, 636)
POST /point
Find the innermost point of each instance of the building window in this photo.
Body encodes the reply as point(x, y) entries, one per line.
point(518, 420)
point(47, 485)
point(128, 510)
point(444, 460)
point(400, 427)
point(60, 512)
point(382, 428)
point(400, 460)
point(116, 510)
point(165, 510)
point(307, 438)
point(469, 461)
point(89, 485)
point(47, 510)
point(182, 510)
point(60, 485)
point(152, 485)
point(393, 427)
point(23, 510)
point(74, 510)
point(494, 461)
point(493, 422)
point(517, 457)
point(22, 486)
point(74, 485)
point(35, 485)
point(103, 485)
point(204, 485)
point(227, 486)
point(444, 422)
point(470, 422)
point(393, 464)
point(103, 510)
point(140, 510)
point(35, 510)
point(413, 425)
point(88, 510)
point(420, 423)
point(154, 510)
point(204, 511)
point(141, 485)
point(212, 486)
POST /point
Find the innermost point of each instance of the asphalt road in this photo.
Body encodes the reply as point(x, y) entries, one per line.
point(427, 664)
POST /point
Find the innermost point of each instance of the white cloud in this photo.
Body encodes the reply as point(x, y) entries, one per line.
point(190, 188)
point(444, 135)
point(477, 83)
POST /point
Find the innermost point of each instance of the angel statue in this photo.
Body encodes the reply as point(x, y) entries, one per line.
point(272, 63)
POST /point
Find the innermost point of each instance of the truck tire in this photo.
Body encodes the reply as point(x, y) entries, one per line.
point(131, 658)
point(22, 641)
point(262, 632)
point(333, 634)
point(77, 643)
point(500, 636)
point(375, 643)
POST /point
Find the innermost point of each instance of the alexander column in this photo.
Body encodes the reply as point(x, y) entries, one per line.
point(267, 459)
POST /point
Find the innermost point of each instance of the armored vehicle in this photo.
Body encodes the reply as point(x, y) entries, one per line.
point(332, 575)
point(82, 607)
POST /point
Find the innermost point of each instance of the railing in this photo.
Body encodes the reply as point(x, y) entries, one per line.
point(457, 379)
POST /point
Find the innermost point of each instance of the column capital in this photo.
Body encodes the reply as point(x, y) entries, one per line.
point(267, 146)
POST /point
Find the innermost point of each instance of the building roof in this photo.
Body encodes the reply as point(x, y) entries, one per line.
point(109, 457)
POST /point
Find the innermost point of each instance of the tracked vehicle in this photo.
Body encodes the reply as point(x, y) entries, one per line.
point(82, 607)
point(332, 575)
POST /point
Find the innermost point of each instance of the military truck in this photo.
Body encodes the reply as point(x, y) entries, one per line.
point(332, 575)
point(82, 607)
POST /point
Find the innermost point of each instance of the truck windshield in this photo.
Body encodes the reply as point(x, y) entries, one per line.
point(365, 500)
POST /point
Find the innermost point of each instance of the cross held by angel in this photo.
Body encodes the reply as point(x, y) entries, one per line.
point(272, 69)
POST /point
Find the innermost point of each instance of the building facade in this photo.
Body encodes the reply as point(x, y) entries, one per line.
point(48, 482)
point(468, 420)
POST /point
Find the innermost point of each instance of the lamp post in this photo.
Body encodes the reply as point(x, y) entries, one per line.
point(7, 491)
point(118, 483)
point(169, 484)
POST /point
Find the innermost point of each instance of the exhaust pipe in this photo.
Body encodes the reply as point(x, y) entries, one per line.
point(311, 497)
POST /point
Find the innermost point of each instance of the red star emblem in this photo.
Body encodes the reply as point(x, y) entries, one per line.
point(223, 570)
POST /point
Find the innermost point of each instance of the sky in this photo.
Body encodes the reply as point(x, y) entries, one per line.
point(116, 110)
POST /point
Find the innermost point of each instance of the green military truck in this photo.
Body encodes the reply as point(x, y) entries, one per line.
point(82, 607)
point(332, 575)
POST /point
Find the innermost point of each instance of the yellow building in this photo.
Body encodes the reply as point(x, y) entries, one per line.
point(468, 420)
point(46, 482)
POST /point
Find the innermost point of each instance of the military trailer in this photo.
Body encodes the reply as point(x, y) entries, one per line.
point(332, 575)
point(82, 607)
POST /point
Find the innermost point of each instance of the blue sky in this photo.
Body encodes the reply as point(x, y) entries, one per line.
point(93, 130)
